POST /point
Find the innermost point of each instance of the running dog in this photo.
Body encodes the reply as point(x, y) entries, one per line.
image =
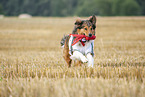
point(79, 45)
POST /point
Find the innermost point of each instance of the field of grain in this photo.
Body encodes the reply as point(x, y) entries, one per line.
point(31, 63)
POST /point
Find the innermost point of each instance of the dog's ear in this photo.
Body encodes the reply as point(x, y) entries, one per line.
point(79, 22)
point(92, 19)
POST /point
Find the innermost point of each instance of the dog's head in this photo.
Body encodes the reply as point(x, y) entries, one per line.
point(86, 27)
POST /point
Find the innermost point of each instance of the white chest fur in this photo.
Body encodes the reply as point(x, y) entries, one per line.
point(80, 52)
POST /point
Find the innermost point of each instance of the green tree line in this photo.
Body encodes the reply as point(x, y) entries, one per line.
point(73, 7)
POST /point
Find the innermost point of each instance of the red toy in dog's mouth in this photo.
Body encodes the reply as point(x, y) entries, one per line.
point(80, 37)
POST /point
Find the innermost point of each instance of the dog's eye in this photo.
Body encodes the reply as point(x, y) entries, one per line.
point(91, 29)
point(85, 28)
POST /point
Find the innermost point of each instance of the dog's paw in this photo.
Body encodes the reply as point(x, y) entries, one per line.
point(72, 57)
point(84, 59)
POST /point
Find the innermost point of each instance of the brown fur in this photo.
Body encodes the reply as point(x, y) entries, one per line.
point(66, 54)
point(85, 30)
point(82, 27)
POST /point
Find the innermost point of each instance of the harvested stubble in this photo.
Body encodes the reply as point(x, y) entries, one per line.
point(31, 62)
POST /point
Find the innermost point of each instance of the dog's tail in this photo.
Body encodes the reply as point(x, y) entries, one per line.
point(62, 42)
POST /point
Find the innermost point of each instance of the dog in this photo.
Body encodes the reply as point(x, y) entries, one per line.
point(79, 45)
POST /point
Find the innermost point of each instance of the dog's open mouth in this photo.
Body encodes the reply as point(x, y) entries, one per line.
point(84, 40)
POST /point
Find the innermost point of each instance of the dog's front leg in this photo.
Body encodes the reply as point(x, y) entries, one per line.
point(90, 60)
point(79, 56)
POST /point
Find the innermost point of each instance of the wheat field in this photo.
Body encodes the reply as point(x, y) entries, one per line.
point(31, 62)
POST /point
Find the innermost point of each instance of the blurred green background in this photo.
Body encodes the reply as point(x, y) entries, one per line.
point(73, 7)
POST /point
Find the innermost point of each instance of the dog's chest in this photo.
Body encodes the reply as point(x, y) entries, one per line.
point(88, 47)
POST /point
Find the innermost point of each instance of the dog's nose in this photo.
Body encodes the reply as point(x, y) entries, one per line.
point(90, 34)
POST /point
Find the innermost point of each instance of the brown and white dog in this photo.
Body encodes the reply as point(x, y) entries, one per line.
point(79, 45)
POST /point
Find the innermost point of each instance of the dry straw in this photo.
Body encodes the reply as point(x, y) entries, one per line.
point(31, 63)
